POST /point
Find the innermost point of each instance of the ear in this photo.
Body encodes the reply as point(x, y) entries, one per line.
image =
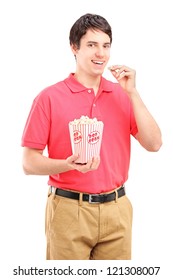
point(74, 48)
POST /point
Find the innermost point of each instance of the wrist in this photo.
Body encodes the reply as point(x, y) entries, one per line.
point(133, 94)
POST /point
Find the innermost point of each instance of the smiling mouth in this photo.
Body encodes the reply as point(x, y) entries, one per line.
point(97, 62)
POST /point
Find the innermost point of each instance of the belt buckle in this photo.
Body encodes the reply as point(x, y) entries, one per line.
point(90, 199)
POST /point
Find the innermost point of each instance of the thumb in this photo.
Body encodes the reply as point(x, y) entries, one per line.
point(72, 158)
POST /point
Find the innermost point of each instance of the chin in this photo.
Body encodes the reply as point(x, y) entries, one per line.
point(98, 72)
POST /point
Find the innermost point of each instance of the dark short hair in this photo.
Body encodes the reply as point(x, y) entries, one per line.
point(85, 22)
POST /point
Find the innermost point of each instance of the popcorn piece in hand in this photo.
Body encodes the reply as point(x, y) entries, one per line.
point(111, 68)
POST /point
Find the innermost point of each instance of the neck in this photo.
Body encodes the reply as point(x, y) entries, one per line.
point(89, 81)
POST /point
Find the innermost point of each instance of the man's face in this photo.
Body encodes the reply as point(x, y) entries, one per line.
point(93, 53)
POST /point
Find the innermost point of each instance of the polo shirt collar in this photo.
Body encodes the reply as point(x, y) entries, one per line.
point(75, 86)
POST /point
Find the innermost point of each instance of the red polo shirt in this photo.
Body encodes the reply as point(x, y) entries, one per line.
point(47, 125)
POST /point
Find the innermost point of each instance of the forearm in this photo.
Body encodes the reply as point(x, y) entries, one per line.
point(35, 163)
point(149, 134)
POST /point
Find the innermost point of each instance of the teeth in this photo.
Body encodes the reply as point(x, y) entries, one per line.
point(98, 62)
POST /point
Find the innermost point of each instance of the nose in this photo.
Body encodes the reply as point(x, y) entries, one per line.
point(100, 52)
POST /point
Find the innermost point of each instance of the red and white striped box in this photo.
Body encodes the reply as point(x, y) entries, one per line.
point(86, 136)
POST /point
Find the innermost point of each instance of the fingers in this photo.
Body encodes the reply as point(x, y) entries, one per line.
point(120, 68)
point(120, 71)
point(92, 164)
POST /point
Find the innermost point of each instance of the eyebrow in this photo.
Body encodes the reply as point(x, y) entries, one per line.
point(94, 42)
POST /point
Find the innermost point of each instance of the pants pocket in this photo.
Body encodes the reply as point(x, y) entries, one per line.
point(51, 207)
point(126, 209)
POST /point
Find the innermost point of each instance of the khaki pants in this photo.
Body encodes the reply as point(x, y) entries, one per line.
point(78, 230)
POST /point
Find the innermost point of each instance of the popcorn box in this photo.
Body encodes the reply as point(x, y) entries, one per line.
point(86, 136)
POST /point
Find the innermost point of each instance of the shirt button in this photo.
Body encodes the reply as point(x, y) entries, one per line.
point(94, 105)
point(89, 91)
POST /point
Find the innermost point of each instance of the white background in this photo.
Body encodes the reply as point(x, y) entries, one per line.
point(35, 53)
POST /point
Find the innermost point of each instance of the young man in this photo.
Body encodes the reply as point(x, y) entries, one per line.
point(88, 214)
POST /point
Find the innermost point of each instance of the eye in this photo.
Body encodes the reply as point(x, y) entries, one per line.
point(107, 46)
point(91, 45)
